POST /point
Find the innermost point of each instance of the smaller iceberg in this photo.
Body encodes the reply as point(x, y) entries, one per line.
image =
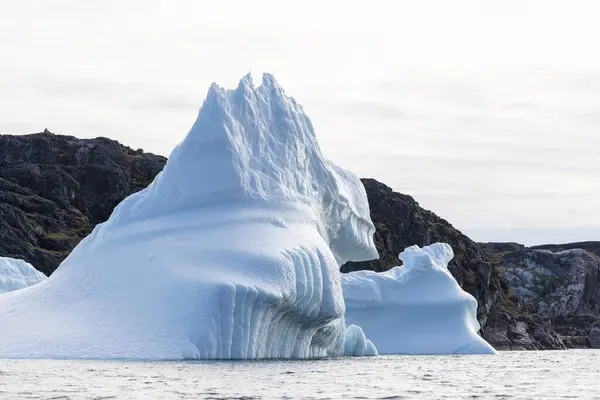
point(417, 308)
point(356, 343)
point(17, 274)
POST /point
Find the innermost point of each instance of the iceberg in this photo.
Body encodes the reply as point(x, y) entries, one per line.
point(233, 252)
point(17, 274)
point(357, 344)
point(417, 308)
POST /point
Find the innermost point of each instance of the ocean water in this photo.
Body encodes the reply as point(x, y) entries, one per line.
point(573, 374)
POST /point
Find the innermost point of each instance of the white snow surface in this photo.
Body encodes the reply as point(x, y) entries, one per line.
point(417, 308)
point(17, 274)
point(233, 252)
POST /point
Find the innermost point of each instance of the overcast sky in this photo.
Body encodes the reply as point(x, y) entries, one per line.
point(487, 112)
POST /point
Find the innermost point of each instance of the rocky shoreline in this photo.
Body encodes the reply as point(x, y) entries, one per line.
point(54, 189)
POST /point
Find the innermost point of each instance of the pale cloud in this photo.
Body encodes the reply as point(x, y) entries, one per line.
point(370, 110)
point(486, 112)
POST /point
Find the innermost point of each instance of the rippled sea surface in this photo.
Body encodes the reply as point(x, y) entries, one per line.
point(571, 374)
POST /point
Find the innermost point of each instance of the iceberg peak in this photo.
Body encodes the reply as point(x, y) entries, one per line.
point(436, 255)
point(246, 83)
point(268, 80)
point(214, 90)
point(256, 144)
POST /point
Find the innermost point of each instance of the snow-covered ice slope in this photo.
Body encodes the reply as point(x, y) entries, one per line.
point(417, 308)
point(17, 274)
point(232, 252)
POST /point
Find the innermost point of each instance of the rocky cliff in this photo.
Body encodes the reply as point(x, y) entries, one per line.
point(591, 247)
point(560, 283)
point(54, 189)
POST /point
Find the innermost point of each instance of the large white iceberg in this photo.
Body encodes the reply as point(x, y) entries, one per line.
point(233, 251)
point(417, 308)
point(17, 274)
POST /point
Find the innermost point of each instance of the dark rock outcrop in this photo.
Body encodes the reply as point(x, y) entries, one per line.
point(591, 247)
point(54, 189)
point(560, 283)
point(578, 331)
point(555, 284)
point(594, 335)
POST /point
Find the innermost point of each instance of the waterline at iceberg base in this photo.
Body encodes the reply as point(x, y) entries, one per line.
point(233, 252)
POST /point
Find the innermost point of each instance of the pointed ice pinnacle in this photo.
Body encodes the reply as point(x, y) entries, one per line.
point(246, 81)
point(256, 143)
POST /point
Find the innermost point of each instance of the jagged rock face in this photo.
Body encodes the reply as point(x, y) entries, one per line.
point(560, 284)
point(555, 284)
point(513, 326)
point(590, 247)
point(577, 331)
point(54, 189)
point(595, 335)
